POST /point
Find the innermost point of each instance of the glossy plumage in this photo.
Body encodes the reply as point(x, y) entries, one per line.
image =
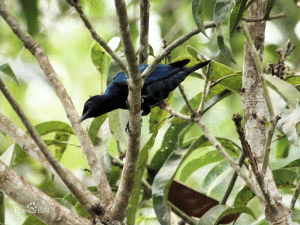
point(158, 85)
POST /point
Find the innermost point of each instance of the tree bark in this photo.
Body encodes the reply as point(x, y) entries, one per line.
point(254, 105)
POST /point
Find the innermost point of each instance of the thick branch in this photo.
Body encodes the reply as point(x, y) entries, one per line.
point(23, 139)
point(135, 84)
point(88, 149)
point(89, 201)
point(144, 31)
point(25, 194)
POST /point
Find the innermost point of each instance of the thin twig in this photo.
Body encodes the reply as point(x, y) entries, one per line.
point(88, 200)
point(295, 197)
point(214, 83)
point(95, 36)
point(172, 46)
point(278, 16)
point(135, 84)
point(144, 31)
point(267, 147)
point(187, 102)
point(223, 152)
point(166, 107)
point(205, 89)
point(86, 144)
point(233, 180)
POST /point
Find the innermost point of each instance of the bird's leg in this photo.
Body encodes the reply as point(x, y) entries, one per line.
point(162, 104)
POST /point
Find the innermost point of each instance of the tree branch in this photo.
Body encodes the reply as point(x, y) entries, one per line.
point(223, 152)
point(172, 46)
point(144, 31)
point(135, 84)
point(95, 36)
point(278, 16)
point(89, 201)
point(24, 140)
point(166, 107)
point(25, 194)
point(87, 146)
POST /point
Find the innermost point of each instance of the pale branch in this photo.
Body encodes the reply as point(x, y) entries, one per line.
point(233, 180)
point(187, 102)
point(24, 140)
point(26, 194)
point(166, 107)
point(259, 68)
point(295, 197)
point(267, 147)
point(205, 90)
point(144, 31)
point(172, 46)
point(223, 152)
point(278, 16)
point(88, 200)
point(87, 146)
point(95, 35)
point(135, 84)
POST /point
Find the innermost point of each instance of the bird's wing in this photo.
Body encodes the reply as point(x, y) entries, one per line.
point(120, 79)
point(163, 71)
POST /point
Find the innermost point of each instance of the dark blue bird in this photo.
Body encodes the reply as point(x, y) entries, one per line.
point(158, 85)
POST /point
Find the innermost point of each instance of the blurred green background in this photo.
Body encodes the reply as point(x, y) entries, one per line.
point(59, 30)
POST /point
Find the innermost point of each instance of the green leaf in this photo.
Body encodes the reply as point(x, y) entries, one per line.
point(44, 129)
point(7, 70)
point(218, 212)
point(283, 148)
point(142, 163)
point(60, 147)
point(243, 197)
point(81, 211)
point(169, 144)
point(117, 127)
point(158, 114)
point(94, 128)
point(222, 9)
point(101, 60)
point(53, 126)
point(226, 52)
point(233, 83)
point(31, 13)
point(236, 15)
point(197, 8)
point(291, 161)
point(31, 219)
point(163, 180)
point(213, 174)
point(65, 203)
point(288, 92)
point(192, 51)
point(285, 178)
point(207, 157)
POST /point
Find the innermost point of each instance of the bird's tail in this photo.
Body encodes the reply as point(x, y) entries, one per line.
point(196, 67)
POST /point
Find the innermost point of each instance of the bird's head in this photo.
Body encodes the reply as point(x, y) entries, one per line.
point(91, 107)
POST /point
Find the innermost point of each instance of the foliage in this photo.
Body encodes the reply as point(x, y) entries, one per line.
point(171, 147)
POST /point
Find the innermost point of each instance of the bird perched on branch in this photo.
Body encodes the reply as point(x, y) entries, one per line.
point(157, 86)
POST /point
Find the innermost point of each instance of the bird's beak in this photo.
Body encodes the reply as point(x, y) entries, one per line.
point(83, 117)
